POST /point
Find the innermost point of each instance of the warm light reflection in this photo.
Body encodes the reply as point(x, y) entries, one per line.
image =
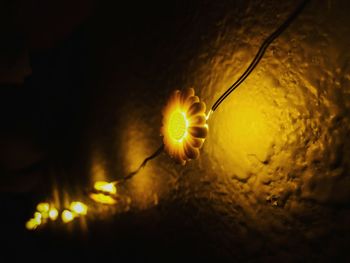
point(136, 145)
point(98, 167)
point(249, 128)
point(103, 199)
point(105, 187)
point(184, 125)
point(79, 208)
point(67, 216)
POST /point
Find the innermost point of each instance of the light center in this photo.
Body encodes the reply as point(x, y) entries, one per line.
point(177, 125)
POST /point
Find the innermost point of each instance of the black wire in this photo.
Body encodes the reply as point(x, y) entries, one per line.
point(260, 53)
point(154, 155)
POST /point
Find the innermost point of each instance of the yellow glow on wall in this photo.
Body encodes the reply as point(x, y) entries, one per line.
point(136, 145)
point(98, 167)
point(106, 187)
point(248, 128)
point(184, 125)
point(79, 208)
point(67, 216)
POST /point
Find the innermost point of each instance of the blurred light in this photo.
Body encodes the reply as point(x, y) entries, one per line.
point(105, 187)
point(45, 215)
point(31, 224)
point(37, 217)
point(184, 125)
point(103, 199)
point(43, 207)
point(67, 216)
point(79, 208)
point(34, 222)
point(53, 214)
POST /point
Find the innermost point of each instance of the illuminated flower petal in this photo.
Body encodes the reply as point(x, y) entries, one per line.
point(184, 125)
point(190, 101)
point(196, 142)
point(185, 94)
point(196, 108)
point(198, 120)
point(198, 132)
point(191, 151)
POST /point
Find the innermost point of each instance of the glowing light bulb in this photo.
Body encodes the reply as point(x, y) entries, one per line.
point(43, 207)
point(53, 214)
point(37, 217)
point(67, 216)
point(178, 125)
point(79, 208)
point(105, 187)
point(184, 126)
point(103, 199)
point(31, 224)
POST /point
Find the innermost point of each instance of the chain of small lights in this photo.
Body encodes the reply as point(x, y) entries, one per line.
point(184, 129)
point(46, 212)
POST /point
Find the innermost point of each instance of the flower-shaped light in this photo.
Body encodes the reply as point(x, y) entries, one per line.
point(184, 125)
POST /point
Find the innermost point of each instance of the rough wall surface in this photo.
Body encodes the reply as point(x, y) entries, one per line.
point(272, 181)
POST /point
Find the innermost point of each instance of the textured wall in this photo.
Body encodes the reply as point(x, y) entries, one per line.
point(272, 181)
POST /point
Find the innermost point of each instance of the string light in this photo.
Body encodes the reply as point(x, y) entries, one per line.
point(47, 211)
point(184, 129)
point(67, 216)
point(43, 207)
point(40, 216)
point(184, 125)
point(53, 214)
point(105, 187)
point(32, 224)
point(78, 208)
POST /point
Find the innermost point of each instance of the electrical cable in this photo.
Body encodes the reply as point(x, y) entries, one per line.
point(145, 161)
point(260, 54)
